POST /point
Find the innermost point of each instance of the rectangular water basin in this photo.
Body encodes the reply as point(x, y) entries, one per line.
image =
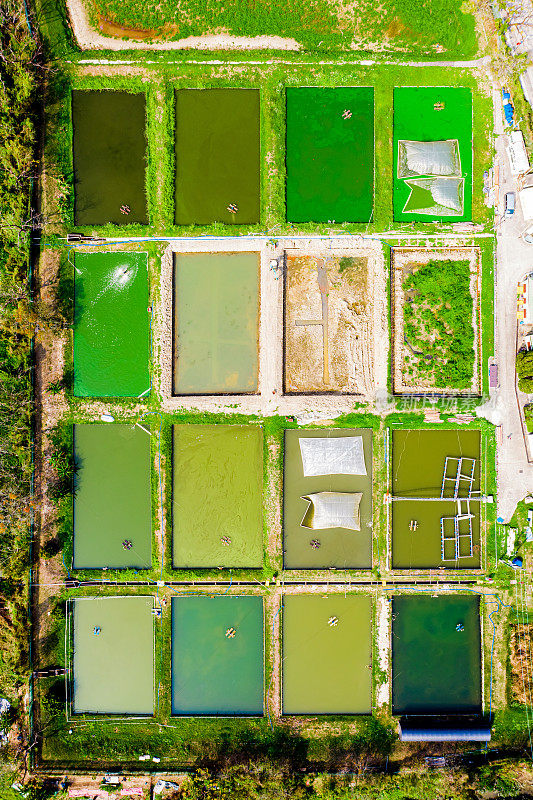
point(216, 322)
point(330, 154)
point(443, 113)
point(112, 499)
point(327, 655)
point(109, 152)
point(113, 655)
point(217, 656)
point(217, 156)
point(111, 325)
point(436, 655)
point(337, 547)
point(217, 476)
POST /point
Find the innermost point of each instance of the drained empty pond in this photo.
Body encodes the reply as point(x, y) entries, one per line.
point(112, 503)
point(436, 655)
point(327, 660)
point(216, 320)
point(217, 656)
point(109, 157)
point(113, 655)
point(330, 154)
point(217, 156)
point(216, 497)
point(432, 153)
point(111, 325)
point(327, 498)
point(436, 499)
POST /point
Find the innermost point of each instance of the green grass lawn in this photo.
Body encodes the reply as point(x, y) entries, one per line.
point(431, 27)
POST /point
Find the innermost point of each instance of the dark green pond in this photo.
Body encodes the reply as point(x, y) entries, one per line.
point(327, 669)
point(217, 156)
point(339, 547)
point(112, 500)
point(435, 668)
point(330, 154)
point(109, 157)
point(214, 674)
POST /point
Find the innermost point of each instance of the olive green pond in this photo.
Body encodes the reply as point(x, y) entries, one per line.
point(216, 496)
point(327, 657)
point(112, 498)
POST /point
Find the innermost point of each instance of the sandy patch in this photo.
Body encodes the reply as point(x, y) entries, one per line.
point(402, 262)
point(328, 323)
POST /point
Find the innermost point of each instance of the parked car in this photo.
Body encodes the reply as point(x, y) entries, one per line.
point(510, 202)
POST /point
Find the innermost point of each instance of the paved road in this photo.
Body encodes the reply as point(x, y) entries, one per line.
point(514, 260)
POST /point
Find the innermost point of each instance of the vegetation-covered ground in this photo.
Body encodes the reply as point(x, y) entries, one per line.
point(438, 326)
point(432, 27)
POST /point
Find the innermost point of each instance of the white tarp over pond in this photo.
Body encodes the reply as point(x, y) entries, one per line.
point(339, 455)
point(333, 510)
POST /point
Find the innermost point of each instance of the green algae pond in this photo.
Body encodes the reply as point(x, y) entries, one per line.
point(112, 498)
point(111, 325)
point(330, 154)
point(436, 668)
point(216, 323)
point(327, 654)
point(217, 656)
point(109, 151)
point(217, 475)
point(418, 464)
point(338, 547)
point(113, 656)
point(217, 156)
point(442, 113)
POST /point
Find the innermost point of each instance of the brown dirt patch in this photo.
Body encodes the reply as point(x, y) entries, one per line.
point(328, 324)
point(520, 657)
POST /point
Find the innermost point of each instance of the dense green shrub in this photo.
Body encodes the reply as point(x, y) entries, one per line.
point(438, 327)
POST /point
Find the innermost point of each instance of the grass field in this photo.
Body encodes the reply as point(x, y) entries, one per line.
point(453, 121)
point(330, 154)
point(432, 27)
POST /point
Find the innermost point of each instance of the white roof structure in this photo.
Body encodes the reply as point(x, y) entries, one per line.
point(526, 201)
point(516, 150)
